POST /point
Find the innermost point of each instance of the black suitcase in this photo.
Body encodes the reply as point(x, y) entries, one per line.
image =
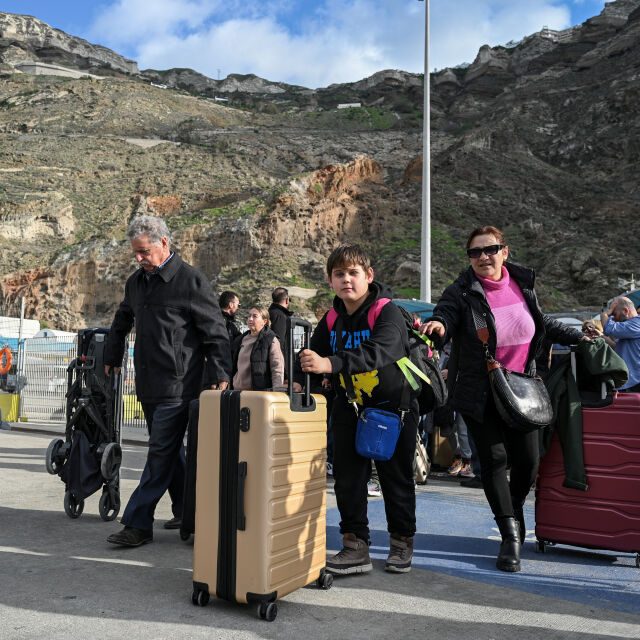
point(188, 525)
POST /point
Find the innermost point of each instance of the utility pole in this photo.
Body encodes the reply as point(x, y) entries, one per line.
point(425, 236)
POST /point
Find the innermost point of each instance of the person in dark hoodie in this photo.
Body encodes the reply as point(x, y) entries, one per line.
point(368, 355)
point(503, 296)
point(279, 314)
point(229, 304)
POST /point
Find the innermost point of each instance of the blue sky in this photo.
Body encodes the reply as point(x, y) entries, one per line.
point(309, 42)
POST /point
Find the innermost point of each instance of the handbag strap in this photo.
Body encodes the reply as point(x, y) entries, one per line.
point(482, 330)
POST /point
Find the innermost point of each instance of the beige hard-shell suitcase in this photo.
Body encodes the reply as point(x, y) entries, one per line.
point(260, 523)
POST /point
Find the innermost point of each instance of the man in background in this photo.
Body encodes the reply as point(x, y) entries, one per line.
point(622, 323)
point(229, 305)
point(278, 315)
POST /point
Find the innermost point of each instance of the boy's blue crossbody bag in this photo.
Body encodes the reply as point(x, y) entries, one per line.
point(377, 433)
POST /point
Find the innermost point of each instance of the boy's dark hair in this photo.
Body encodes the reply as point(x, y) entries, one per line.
point(346, 255)
point(279, 294)
point(226, 297)
point(486, 231)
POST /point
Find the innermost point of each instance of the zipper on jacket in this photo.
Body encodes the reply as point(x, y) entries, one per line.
point(227, 516)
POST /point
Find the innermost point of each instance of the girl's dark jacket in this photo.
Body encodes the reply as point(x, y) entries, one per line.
point(367, 355)
point(467, 363)
point(178, 324)
point(260, 363)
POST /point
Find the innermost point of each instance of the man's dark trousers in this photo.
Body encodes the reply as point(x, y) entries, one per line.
point(165, 466)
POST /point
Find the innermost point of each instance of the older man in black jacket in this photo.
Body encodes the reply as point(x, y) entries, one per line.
point(178, 325)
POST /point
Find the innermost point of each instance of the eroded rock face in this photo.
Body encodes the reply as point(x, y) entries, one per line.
point(324, 207)
point(317, 212)
point(50, 45)
point(37, 215)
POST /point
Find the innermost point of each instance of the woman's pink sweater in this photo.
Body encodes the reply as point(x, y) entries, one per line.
point(514, 325)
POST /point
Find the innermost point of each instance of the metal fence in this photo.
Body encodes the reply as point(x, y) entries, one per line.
point(43, 384)
point(38, 368)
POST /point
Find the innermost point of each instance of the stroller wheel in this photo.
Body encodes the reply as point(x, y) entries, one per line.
point(73, 505)
point(107, 508)
point(53, 460)
point(111, 460)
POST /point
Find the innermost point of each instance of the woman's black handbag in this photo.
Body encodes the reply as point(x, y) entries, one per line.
point(522, 400)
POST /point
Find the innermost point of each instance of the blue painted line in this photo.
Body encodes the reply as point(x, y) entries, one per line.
point(458, 537)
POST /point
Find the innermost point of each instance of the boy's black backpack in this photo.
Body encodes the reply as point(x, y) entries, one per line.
point(420, 369)
point(432, 393)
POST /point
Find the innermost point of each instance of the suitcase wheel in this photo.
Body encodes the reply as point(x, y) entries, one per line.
point(185, 535)
point(73, 505)
point(56, 456)
point(107, 507)
point(268, 611)
point(325, 580)
point(540, 546)
point(200, 598)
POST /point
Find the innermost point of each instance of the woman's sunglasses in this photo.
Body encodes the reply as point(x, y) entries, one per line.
point(489, 250)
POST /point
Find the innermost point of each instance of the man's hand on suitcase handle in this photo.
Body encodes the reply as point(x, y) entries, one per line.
point(311, 362)
point(220, 387)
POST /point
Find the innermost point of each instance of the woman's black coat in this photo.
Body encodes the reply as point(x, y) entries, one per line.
point(467, 362)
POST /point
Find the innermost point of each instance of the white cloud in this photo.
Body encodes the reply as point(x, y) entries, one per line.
point(456, 36)
point(315, 43)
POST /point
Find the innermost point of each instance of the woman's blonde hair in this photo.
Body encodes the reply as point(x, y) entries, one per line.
point(596, 323)
point(263, 311)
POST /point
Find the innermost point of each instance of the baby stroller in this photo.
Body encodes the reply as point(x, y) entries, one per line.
point(90, 455)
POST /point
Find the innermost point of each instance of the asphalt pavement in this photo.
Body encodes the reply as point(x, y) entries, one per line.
point(61, 579)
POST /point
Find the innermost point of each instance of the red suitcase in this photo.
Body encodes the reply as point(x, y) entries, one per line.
point(607, 515)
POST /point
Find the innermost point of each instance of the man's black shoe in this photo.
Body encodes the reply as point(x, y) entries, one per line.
point(130, 537)
point(471, 483)
point(174, 523)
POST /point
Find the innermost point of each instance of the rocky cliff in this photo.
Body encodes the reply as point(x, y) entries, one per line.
point(539, 137)
point(27, 38)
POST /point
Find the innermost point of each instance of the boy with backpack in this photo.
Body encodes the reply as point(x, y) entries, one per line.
point(359, 341)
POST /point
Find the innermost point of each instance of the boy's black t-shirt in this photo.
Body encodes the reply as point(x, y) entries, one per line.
point(369, 356)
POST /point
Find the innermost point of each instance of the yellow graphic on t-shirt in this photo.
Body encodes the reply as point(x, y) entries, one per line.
point(363, 383)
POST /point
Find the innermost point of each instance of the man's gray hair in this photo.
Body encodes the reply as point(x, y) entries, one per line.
point(155, 228)
point(624, 303)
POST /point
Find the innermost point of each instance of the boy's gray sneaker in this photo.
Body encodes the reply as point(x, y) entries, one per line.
point(400, 554)
point(354, 557)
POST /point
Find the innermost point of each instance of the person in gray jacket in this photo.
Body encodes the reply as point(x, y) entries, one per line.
point(178, 325)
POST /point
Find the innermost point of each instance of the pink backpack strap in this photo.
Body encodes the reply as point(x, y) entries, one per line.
point(372, 314)
point(331, 318)
point(375, 310)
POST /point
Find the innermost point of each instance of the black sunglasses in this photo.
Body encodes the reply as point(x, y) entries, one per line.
point(489, 250)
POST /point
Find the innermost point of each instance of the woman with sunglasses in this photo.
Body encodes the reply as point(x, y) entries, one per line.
point(503, 295)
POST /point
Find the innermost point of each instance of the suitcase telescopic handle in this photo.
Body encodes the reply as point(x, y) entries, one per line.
point(292, 323)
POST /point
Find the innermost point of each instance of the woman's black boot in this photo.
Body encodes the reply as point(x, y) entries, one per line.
point(518, 514)
point(509, 556)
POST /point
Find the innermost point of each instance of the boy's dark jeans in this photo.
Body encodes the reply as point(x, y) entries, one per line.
point(351, 473)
